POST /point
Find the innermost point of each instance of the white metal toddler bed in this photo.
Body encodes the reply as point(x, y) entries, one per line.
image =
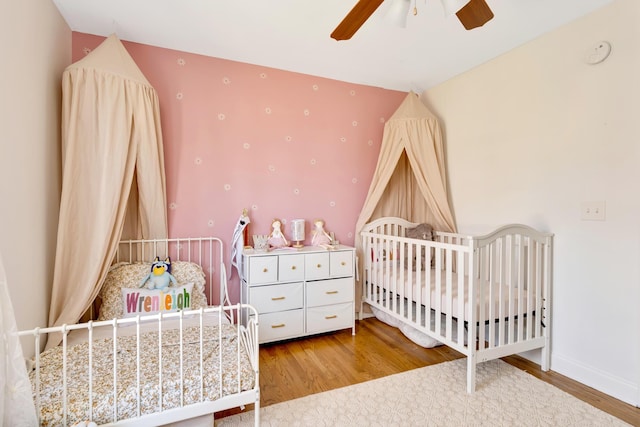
point(504, 278)
point(152, 357)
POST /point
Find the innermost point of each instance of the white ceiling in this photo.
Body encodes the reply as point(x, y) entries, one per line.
point(294, 34)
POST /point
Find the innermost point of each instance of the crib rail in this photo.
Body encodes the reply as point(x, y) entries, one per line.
point(173, 332)
point(486, 296)
point(398, 271)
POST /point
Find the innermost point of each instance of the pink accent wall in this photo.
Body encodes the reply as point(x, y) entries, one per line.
point(280, 144)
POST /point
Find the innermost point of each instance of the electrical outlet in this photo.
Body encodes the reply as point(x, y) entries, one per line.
point(593, 211)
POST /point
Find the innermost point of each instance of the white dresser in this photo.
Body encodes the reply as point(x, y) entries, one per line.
point(300, 292)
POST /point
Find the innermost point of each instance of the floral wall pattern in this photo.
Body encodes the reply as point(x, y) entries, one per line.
point(277, 143)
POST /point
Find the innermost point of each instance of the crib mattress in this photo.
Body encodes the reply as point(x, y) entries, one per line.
point(423, 288)
point(51, 389)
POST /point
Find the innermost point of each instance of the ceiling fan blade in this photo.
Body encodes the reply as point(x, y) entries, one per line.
point(474, 14)
point(355, 18)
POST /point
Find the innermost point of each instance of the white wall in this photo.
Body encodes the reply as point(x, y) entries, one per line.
point(531, 135)
point(36, 47)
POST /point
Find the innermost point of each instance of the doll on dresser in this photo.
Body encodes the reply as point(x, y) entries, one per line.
point(276, 238)
point(319, 237)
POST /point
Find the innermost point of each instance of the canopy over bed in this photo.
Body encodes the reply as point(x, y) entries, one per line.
point(113, 178)
point(410, 179)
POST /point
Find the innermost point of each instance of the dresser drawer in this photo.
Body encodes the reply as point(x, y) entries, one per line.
point(329, 317)
point(270, 298)
point(263, 269)
point(281, 325)
point(291, 268)
point(316, 266)
point(341, 263)
point(331, 291)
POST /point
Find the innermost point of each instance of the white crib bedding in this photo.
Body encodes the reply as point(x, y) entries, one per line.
point(51, 368)
point(413, 286)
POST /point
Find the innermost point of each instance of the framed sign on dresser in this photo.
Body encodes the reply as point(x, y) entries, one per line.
point(300, 292)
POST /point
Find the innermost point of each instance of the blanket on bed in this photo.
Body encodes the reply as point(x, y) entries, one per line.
point(223, 373)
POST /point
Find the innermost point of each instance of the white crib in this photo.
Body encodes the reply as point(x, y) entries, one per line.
point(176, 368)
point(484, 296)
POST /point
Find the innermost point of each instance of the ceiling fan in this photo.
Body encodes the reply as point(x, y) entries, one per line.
point(471, 13)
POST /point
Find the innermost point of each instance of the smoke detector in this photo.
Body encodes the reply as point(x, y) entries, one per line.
point(598, 53)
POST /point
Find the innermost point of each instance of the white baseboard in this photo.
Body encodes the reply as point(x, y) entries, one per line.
point(614, 386)
point(532, 355)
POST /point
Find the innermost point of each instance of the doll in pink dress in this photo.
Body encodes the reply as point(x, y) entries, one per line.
point(276, 238)
point(319, 236)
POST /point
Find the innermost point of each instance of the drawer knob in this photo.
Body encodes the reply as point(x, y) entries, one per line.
point(280, 325)
point(319, 265)
point(330, 317)
point(264, 270)
point(293, 267)
point(331, 292)
point(343, 263)
point(277, 298)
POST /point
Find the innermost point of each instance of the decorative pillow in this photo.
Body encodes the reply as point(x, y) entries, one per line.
point(144, 301)
point(125, 275)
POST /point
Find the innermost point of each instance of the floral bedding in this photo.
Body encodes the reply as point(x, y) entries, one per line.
point(216, 384)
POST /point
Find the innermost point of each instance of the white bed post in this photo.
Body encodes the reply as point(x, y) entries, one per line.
point(545, 356)
point(471, 371)
point(362, 278)
point(473, 317)
point(256, 409)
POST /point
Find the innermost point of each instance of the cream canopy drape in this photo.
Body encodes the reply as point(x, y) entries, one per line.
point(410, 179)
point(112, 173)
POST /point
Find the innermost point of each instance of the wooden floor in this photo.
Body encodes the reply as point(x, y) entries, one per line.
point(300, 367)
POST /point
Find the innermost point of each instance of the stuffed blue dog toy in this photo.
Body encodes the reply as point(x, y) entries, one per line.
point(160, 276)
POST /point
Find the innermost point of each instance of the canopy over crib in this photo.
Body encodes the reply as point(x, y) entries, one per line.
point(410, 180)
point(113, 178)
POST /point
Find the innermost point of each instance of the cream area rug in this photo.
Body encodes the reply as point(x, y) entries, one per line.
point(436, 396)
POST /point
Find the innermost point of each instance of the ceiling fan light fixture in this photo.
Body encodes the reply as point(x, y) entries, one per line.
point(452, 6)
point(398, 12)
